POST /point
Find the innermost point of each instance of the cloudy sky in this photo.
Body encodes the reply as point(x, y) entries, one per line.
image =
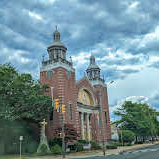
point(123, 35)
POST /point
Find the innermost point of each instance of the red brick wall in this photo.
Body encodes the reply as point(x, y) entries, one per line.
point(64, 89)
point(105, 108)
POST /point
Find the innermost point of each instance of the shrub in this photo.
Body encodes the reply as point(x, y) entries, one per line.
point(128, 144)
point(57, 150)
point(55, 141)
point(118, 143)
point(140, 142)
point(79, 146)
point(43, 148)
point(72, 147)
point(31, 147)
point(83, 141)
point(95, 145)
point(12, 149)
point(111, 146)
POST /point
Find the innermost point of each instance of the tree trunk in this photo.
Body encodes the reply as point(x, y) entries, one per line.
point(136, 140)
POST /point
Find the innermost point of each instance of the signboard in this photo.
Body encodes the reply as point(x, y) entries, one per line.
point(87, 147)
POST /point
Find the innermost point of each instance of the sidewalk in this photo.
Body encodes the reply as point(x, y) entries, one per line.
point(97, 153)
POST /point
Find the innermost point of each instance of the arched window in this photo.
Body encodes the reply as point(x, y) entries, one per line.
point(85, 97)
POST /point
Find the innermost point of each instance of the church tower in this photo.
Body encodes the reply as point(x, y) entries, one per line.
point(94, 76)
point(93, 72)
point(57, 50)
point(58, 73)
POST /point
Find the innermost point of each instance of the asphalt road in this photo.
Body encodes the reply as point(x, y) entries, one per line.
point(151, 152)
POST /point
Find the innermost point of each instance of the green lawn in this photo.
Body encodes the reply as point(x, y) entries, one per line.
point(11, 157)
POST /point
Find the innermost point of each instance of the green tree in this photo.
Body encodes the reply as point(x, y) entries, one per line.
point(21, 99)
point(139, 118)
point(71, 134)
point(127, 136)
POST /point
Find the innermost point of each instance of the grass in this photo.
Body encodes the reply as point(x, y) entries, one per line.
point(11, 157)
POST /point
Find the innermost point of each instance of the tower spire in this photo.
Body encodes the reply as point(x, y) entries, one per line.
point(56, 35)
point(93, 71)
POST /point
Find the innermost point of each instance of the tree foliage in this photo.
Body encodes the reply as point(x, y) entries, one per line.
point(71, 134)
point(22, 103)
point(127, 136)
point(21, 97)
point(139, 118)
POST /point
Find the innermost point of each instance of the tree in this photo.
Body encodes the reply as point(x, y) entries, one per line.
point(21, 97)
point(71, 134)
point(127, 136)
point(139, 118)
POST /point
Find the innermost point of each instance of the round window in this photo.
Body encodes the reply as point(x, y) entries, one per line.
point(49, 74)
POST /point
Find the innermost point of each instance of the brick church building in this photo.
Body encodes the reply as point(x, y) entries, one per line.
point(85, 99)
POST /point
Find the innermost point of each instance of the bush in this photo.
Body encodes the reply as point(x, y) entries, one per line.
point(79, 147)
point(140, 142)
point(128, 144)
point(12, 149)
point(83, 141)
point(118, 143)
point(31, 147)
point(111, 146)
point(57, 150)
point(55, 141)
point(95, 145)
point(43, 149)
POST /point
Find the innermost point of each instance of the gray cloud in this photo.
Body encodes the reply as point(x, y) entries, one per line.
point(123, 35)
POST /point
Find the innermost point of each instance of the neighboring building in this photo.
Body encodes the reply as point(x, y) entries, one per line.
point(82, 98)
point(114, 132)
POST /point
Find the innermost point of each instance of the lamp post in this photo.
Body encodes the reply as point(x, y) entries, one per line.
point(21, 139)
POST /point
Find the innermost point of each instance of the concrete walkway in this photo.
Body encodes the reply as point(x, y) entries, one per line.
point(97, 153)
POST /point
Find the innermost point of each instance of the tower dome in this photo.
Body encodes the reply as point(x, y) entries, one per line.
point(93, 64)
point(57, 49)
point(93, 70)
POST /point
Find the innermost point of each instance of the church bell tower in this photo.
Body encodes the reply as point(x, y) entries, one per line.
point(58, 73)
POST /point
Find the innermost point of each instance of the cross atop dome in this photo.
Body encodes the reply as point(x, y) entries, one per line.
point(93, 70)
point(56, 35)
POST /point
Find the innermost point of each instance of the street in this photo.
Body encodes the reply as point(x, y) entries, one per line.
point(151, 152)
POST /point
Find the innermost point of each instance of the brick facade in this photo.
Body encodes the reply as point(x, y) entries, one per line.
point(59, 73)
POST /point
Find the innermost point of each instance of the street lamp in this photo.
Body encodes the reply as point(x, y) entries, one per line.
point(21, 139)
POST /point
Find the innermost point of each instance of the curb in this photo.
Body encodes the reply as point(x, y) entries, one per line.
point(137, 148)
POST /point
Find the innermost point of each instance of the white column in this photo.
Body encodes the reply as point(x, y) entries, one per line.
point(88, 128)
point(82, 126)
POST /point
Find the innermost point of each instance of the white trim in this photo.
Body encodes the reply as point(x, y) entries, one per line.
point(97, 82)
point(83, 110)
point(55, 65)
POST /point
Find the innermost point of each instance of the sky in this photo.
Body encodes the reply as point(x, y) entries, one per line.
point(123, 35)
